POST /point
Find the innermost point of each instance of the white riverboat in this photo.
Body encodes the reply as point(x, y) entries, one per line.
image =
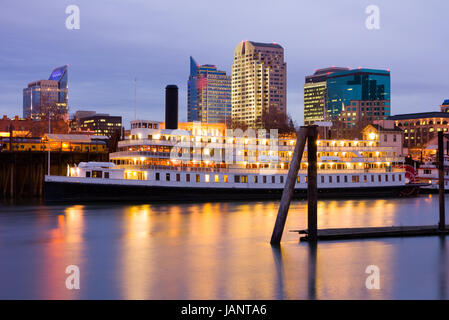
point(206, 163)
point(428, 173)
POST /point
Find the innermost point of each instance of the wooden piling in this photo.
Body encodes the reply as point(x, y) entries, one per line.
point(312, 183)
point(289, 187)
point(442, 222)
point(11, 177)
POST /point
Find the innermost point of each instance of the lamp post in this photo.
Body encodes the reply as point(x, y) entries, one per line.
point(48, 136)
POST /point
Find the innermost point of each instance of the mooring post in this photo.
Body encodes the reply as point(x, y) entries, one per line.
point(289, 187)
point(442, 222)
point(312, 183)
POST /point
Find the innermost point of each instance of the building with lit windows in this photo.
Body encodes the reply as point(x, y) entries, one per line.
point(258, 82)
point(47, 96)
point(315, 94)
point(420, 128)
point(209, 94)
point(101, 124)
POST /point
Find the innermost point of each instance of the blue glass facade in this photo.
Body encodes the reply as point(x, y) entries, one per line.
point(61, 75)
point(209, 94)
point(367, 85)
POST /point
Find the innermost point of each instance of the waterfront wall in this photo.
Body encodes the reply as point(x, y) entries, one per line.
point(22, 173)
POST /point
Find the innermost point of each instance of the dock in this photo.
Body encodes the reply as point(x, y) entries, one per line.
point(374, 232)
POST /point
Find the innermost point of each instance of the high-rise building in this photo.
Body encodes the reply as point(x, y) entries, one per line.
point(45, 97)
point(38, 97)
point(258, 82)
point(315, 94)
point(359, 94)
point(209, 94)
point(61, 76)
point(353, 97)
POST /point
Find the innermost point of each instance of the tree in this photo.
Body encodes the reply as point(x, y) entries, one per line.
point(275, 119)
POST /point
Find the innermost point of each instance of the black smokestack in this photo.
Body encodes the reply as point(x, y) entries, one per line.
point(171, 106)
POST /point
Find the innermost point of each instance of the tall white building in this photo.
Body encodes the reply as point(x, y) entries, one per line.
point(258, 82)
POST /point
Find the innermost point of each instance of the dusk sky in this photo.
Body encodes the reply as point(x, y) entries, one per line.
point(152, 40)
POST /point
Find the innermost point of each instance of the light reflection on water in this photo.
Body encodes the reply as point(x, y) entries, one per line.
point(216, 251)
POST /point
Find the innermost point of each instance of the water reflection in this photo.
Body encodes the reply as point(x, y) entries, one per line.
point(312, 270)
point(442, 276)
point(136, 252)
point(63, 246)
point(218, 251)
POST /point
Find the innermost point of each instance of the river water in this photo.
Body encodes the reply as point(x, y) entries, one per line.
point(217, 251)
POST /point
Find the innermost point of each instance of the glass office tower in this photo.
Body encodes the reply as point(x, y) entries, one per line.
point(367, 91)
point(209, 94)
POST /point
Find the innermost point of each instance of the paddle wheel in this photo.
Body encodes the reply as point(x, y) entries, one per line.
point(410, 173)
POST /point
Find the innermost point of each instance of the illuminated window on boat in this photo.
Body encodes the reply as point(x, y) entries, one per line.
point(197, 178)
point(178, 177)
point(167, 177)
point(255, 179)
point(298, 179)
point(96, 174)
point(158, 176)
point(244, 179)
point(217, 178)
point(365, 179)
point(188, 177)
point(206, 178)
point(355, 179)
point(225, 178)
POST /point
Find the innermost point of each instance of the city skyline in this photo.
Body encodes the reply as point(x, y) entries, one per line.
point(157, 51)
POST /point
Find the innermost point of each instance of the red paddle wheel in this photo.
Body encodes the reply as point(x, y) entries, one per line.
point(410, 173)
